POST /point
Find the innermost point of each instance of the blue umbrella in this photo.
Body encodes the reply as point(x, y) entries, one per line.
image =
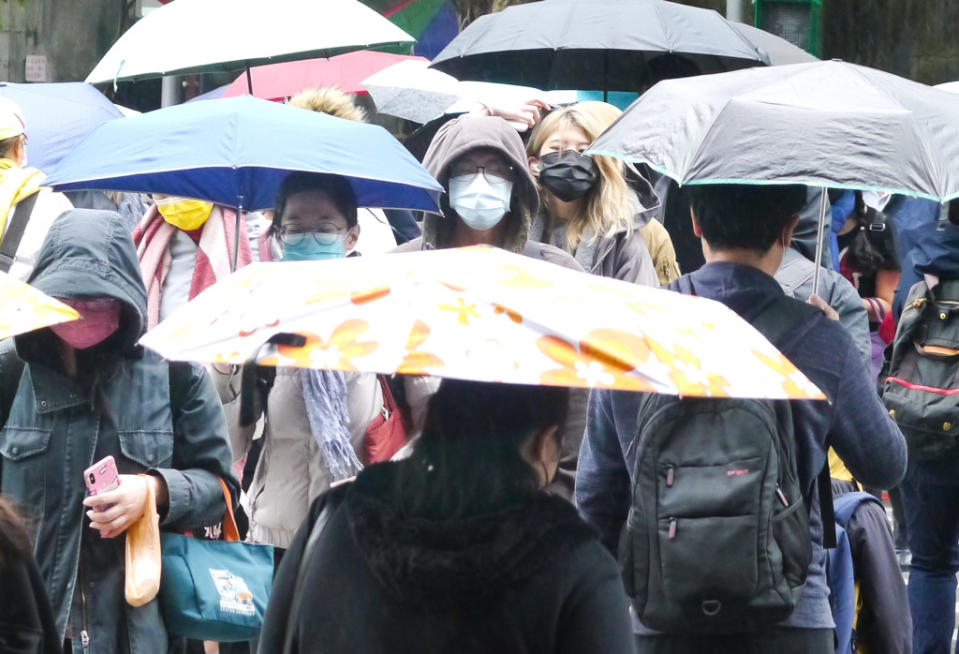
point(237, 151)
point(58, 116)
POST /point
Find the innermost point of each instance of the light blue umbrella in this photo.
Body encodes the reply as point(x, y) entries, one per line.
point(58, 116)
point(237, 151)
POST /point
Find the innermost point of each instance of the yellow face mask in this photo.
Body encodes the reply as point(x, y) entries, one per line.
point(184, 213)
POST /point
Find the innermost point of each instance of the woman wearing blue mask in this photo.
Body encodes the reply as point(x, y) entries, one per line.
point(313, 422)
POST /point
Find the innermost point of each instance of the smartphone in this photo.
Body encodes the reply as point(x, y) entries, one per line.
point(101, 477)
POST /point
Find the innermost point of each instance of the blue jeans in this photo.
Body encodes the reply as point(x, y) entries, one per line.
point(931, 504)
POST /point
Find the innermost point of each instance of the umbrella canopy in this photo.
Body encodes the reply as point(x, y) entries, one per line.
point(779, 51)
point(483, 314)
point(24, 308)
point(413, 91)
point(236, 152)
point(952, 87)
point(196, 36)
point(609, 45)
point(58, 116)
point(346, 71)
point(825, 124)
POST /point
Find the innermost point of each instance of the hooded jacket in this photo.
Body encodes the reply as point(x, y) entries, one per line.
point(452, 141)
point(531, 577)
point(624, 255)
point(55, 426)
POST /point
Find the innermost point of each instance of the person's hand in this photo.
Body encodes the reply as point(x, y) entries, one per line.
point(525, 113)
point(123, 506)
point(817, 301)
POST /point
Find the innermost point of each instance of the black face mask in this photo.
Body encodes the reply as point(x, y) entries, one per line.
point(569, 175)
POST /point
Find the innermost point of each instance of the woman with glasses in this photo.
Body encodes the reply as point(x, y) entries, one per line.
point(588, 209)
point(313, 422)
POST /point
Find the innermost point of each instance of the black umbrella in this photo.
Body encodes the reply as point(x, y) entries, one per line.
point(605, 45)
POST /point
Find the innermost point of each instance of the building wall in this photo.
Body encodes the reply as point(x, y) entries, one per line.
point(72, 34)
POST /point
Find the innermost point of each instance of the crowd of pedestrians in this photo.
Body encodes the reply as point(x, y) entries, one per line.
point(509, 518)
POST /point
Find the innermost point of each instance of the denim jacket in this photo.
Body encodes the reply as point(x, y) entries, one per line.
point(55, 426)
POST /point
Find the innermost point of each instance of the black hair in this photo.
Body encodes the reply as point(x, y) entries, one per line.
point(746, 216)
point(468, 460)
point(336, 186)
point(7, 145)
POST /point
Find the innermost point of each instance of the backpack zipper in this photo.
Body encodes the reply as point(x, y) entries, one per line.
point(782, 497)
point(670, 476)
point(84, 635)
point(672, 528)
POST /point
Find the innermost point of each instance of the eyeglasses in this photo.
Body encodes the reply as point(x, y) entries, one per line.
point(497, 172)
point(324, 234)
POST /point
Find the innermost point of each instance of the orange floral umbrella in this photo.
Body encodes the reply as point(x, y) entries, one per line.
point(24, 308)
point(479, 313)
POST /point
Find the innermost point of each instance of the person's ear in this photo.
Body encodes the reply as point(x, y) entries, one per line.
point(21, 150)
point(697, 228)
point(534, 165)
point(787, 235)
point(352, 236)
point(546, 445)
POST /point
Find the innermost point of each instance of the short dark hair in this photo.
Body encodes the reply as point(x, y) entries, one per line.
point(7, 145)
point(745, 215)
point(336, 186)
point(469, 458)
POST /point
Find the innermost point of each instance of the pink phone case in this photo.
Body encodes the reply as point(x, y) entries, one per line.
point(102, 476)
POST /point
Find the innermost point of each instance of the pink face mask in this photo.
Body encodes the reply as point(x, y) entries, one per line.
point(99, 319)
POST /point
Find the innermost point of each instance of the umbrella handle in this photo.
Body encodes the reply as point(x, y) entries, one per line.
point(820, 241)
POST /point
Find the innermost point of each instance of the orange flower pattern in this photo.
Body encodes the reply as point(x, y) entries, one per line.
point(337, 353)
point(417, 362)
point(602, 360)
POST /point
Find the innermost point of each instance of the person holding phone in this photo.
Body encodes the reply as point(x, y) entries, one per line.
point(76, 394)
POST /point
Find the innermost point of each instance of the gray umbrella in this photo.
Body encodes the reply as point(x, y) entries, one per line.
point(606, 45)
point(825, 124)
point(780, 51)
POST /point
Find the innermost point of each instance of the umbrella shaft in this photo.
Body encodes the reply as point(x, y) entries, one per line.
point(820, 241)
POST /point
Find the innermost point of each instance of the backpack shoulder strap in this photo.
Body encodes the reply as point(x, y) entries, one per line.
point(783, 316)
point(15, 229)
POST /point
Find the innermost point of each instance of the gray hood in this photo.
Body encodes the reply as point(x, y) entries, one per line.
point(455, 139)
point(89, 253)
point(804, 238)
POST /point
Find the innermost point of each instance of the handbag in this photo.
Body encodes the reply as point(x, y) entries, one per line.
point(215, 590)
point(388, 432)
point(142, 556)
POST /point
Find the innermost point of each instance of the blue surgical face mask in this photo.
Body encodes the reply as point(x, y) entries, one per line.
point(309, 249)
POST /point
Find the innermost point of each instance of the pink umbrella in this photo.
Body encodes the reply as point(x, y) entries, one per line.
point(346, 71)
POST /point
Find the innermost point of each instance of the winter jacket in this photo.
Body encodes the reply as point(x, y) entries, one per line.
point(622, 256)
point(529, 578)
point(661, 249)
point(291, 472)
point(57, 426)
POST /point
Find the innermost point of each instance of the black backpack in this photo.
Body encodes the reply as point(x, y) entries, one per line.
point(921, 388)
point(717, 538)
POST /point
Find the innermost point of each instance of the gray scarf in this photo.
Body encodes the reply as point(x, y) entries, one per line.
point(324, 393)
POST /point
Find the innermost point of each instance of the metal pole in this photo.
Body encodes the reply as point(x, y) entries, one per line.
point(734, 10)
point(249, 79)
point(168, 91)
point(820, 241)
point(236, 235)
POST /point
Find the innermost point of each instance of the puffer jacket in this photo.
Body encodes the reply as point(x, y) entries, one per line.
point(291, 471)
point(55, 426)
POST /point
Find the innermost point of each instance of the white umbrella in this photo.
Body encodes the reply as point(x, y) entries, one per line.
point(194, 36)
point(413, 91)
point(952, 87)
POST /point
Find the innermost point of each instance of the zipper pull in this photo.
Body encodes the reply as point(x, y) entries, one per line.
point(782, 497)
point(670, 476)
point(85, 638)
point(672, 528)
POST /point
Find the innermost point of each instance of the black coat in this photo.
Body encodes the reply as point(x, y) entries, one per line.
point(26, 619)
point(532, 578)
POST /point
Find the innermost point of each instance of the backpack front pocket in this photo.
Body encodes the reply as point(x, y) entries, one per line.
point(730, 574)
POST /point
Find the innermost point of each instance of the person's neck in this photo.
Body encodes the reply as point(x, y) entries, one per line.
point(768, 261)
point(464, 236)
point(561, 213)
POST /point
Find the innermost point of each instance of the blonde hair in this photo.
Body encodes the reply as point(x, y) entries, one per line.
point(329, 100)
point(606, 210)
